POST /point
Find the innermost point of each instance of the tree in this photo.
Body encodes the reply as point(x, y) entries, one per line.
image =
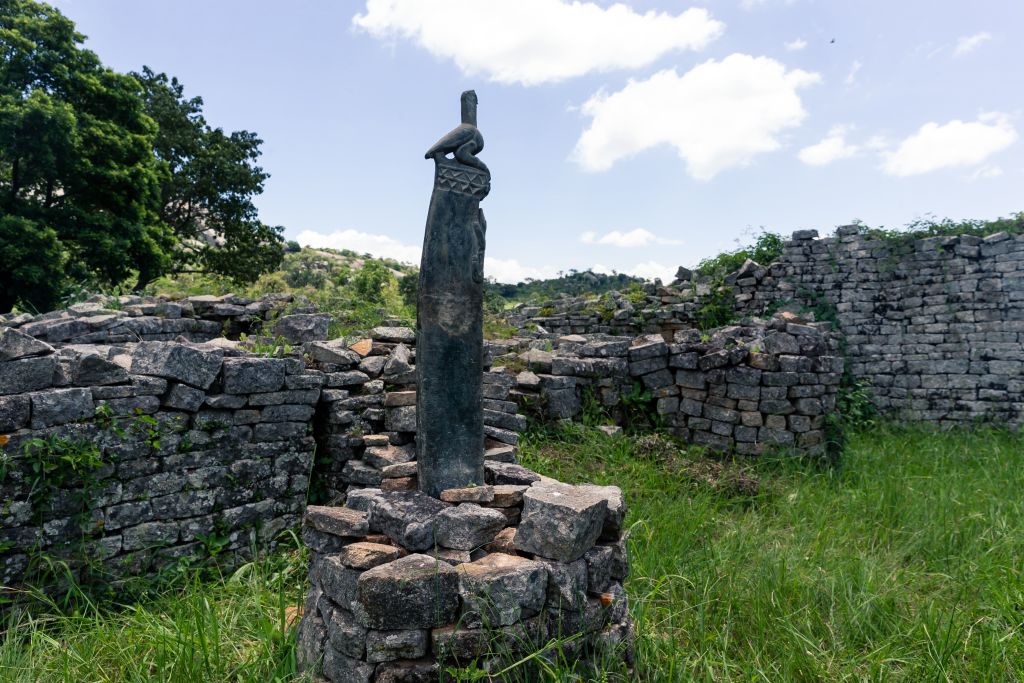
point(371, 280)
point(207, 189)
point(77, 171)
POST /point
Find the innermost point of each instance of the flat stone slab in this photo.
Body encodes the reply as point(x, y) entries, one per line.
point(560, 521)
point(507, 495)
point(500, 590)
point(467, 526)
point(338, 521)
point(253, 375)
point(195, 367)
point(468, 494)
point(15, 344)
point(404, 469)
point(416, 591)
point(509, 473)
point(364, 555)
point(407, 517)
point(501, 454)
point(401, 335)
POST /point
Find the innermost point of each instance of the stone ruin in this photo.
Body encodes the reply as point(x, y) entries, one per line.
point(461, 559)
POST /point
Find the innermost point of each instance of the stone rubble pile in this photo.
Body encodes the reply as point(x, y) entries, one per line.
point(403, 584)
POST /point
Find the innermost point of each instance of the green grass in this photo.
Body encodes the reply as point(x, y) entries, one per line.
point(905, 564)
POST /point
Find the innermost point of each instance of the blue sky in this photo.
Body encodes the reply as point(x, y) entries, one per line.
point(632, 136)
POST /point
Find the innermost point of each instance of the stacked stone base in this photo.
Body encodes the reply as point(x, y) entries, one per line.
point(405, 586)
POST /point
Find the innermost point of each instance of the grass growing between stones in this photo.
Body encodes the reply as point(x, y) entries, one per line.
point(903, 564)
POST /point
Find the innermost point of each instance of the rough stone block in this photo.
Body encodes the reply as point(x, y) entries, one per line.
point(27, 374)
point(15, 344)
point(467, 526)
point(560, 521)
point(387, 646)
point(303, 327)
point(14, 412)
point(253, 375)
point(407, 517)
point(186, 364)
point(366, 555)
point(500, 590)
point(60, 406)
point(416, 591)
point(339, 521)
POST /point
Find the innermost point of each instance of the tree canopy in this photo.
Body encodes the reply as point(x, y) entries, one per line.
point(107, 176)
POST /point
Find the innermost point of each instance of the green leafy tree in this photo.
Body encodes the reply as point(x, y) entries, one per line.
point(370, 281)
point(407, 287)
point(78, 177)
point(206, 191)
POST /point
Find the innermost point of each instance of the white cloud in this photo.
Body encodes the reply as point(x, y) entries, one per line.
point(832, 147)
point(795, 45)
point(851, 76)
point(652, 269)
point(953, 144)
point(381, 246)
point(967, 44)
point(648, 270)
point(718, 115)
point(538, 41)
point(512, 271)
point(633, 238)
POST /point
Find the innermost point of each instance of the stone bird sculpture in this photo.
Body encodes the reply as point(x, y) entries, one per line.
point(465, 140)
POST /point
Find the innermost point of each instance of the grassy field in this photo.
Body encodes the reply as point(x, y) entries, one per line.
point(903, 564)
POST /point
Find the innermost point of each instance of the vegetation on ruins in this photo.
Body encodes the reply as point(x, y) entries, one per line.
point(572, 283)
point(109, 180)
point(891, 567)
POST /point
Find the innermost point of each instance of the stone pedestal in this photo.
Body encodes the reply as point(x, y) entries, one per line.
point(404, 585)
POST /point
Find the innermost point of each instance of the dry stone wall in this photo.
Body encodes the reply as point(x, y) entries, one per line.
point(743, 388)
point(933, 326)
point(131, 457)
point(126, 319)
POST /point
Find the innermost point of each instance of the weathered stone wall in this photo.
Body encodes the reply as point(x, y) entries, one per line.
point(366, 420)
point(743, 388)
point(159, 451)
point(935, 326)
point(126, 319)
point(129, 457)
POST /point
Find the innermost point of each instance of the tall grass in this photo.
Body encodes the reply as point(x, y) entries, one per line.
point(903, 564)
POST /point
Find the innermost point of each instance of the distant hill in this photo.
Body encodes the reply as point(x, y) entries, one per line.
point(575, 283)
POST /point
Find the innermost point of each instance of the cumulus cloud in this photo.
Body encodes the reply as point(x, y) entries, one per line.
point(538, 41)
point(832, 147)
point(968, 44)
point(649, 270)
point(633, 238)
point(381, 246)
point(718, 115)
point(512, 271)
point(957, 143)
point(795, 45)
